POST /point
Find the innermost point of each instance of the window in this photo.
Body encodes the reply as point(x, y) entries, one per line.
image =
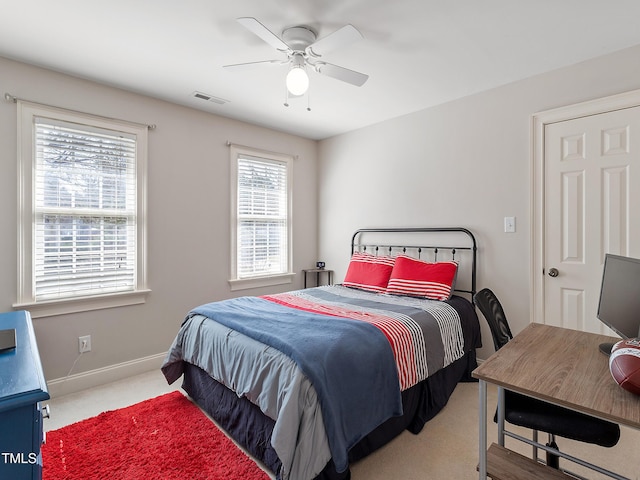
point(82, 188)
point(261, 218)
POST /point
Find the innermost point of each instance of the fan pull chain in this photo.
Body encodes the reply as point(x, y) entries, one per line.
point(286, 96)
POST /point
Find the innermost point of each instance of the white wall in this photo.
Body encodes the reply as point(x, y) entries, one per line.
point(188, 216)
point(462, 163)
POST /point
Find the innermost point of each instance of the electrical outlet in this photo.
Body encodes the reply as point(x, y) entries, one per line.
point(84, 344)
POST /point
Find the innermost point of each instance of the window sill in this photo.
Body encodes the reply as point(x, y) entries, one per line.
point(257, 282)
point(84, 304)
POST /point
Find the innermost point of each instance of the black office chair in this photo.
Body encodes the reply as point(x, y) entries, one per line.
point(535, 414)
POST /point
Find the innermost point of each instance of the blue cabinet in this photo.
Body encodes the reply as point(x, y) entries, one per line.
point(22, 388)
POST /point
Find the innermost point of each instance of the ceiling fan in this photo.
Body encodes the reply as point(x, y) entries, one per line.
point(303, 50)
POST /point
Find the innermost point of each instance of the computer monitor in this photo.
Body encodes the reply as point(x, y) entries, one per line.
point(619, 305)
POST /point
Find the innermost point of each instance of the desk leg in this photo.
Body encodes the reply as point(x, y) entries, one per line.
point(501, 416)
point(482, 428)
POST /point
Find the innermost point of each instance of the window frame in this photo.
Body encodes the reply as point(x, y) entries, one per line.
point(237, 151)
point(27, 113)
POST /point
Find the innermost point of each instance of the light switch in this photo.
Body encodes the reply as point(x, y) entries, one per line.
point(509, 224)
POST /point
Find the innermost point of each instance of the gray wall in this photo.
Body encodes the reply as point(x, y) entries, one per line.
point(465, 163)
point(188, 216)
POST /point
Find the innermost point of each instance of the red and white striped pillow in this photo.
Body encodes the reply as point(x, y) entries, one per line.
point(369, 272)
point(422, 279)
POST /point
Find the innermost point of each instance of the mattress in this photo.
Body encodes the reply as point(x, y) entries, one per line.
point(261, 365)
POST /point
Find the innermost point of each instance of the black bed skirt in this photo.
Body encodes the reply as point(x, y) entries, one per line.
point(248, 426)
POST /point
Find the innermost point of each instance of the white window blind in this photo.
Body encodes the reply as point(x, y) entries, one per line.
point(84, 210)
point(262, 217)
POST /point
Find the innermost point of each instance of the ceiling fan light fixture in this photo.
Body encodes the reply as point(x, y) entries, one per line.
point(301, 45)
point(297, 80)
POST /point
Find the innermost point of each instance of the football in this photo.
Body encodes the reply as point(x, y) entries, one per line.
point(624, 364)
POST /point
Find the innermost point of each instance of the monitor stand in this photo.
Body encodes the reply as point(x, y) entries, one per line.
point(605, 348)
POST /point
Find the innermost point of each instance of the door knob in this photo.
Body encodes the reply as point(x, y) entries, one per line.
point(553, 272)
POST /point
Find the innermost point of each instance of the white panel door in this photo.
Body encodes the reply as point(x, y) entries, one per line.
point(591, 207)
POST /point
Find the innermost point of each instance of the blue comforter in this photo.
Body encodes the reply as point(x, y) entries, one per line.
point(344, 372)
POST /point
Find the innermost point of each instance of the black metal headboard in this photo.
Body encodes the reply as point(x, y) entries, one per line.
point(455, 240)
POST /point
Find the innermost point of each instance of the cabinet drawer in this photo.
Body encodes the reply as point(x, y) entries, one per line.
point(38, 435)
point(20, 442)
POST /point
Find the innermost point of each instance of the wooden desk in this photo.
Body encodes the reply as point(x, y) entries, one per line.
point(559, 366)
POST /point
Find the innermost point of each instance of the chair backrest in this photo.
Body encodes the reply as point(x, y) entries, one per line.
point(490, 307)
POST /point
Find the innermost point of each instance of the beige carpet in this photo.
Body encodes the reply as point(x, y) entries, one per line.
point(446, 449)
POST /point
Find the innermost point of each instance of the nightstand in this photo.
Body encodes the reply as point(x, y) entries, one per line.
point(22, 388)
point(318, 272)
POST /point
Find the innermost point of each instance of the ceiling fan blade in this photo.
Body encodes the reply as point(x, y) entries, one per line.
point(341, 73)
point(338, 39)
point(242, 66)
point(263, 32)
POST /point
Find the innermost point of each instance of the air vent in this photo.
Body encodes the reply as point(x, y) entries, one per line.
point(209, 98)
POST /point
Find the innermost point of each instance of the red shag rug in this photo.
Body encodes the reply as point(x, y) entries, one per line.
point(165, 438)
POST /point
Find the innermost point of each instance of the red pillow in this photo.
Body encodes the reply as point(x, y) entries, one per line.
point(422, 279)
point(368, 272)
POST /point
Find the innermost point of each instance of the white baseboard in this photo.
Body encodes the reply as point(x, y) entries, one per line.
point(100, 376)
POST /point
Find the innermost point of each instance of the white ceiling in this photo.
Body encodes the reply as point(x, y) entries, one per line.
point(418, 53)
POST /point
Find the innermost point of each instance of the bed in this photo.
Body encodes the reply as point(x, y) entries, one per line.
point(312, 380)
